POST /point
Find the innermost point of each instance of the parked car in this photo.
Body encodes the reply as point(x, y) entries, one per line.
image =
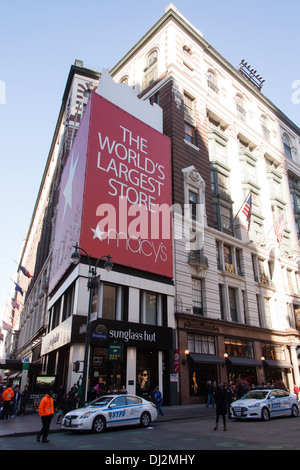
point(111, 410)
point(265, 404)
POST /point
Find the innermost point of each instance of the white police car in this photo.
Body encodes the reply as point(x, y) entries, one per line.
point(110, 410)
point(265, 404)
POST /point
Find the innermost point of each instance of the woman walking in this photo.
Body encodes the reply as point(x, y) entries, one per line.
point(221, 406)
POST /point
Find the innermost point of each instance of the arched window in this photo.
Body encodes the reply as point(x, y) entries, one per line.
point(124, 79)
point(287, 146)
point(151, 69)
point(212, 81)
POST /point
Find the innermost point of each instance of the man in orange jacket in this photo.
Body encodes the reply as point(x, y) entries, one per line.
point(46, 412)
point(7, 398)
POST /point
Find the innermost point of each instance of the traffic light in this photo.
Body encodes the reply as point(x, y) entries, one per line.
point(76, 366)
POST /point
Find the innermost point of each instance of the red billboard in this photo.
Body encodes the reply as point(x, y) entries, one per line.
point(126, 194)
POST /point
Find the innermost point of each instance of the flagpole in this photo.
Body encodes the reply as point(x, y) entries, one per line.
point(276, 221)
point(241, 207)
point(263, 242)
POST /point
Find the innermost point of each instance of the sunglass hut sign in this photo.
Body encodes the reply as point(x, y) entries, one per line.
point(128, 335)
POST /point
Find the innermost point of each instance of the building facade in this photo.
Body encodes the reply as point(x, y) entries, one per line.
point(237, 294)
point(231, 309)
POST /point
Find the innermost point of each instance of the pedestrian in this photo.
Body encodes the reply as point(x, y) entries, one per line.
point(221, 406)
point(46, 412)
point(210, 394)
point(229, 397)
point(7, 398)
point(62, 407)
point(158, 400)
point(23, 400)
point(15, 402)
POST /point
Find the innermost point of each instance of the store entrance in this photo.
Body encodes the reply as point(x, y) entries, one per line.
point(242, 373)
point(105, 375)
point(199, 375)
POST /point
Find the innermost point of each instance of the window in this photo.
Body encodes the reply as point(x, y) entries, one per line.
point(287, 146)
point(188, 102)
point(265, 128)
point(267, 312)
point(115, 302)
point(240, 107)
point(212, 81)
point(151, 69)
point(68, 302)
point(124, 80)
point(197, 296)
point(227, 254)
point(119, 401)
point(190, 133)
point(222, 306)
point(201, 344)
point(233, 304)
point(153, 308)
point(193, 199)
point(238, 347)
point(56, 314)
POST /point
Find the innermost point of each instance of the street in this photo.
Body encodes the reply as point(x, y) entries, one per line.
point(181, 437)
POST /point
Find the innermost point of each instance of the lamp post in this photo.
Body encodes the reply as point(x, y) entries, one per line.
point(92, 284)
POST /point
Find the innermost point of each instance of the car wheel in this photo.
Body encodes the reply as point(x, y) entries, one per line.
point(145, 419)
point(265, 414)
point(99, 424)
point(295, 411)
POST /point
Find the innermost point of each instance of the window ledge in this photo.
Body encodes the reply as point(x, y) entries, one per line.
point(191, 145)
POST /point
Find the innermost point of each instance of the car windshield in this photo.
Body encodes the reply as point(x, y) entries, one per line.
point(256, 395)
point(101, 401)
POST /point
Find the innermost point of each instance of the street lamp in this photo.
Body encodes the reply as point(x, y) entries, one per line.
point(92, 284)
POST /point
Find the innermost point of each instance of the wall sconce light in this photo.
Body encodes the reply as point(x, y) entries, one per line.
point(184, 361)
point(262, 358)
point(225, 355)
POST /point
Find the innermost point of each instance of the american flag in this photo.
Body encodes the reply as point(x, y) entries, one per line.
point(279, 228)
point(247, 209)
point(15, 304)
point(25, 271)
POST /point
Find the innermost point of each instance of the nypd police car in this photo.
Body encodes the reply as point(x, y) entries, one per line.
point(110, 410)
point(265, 404)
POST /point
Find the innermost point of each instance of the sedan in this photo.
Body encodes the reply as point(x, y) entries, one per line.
point(265, 404)
point(109, 411)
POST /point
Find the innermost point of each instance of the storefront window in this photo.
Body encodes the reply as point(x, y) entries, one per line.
point(201, 344)
point(238, 348)
point(146, 372)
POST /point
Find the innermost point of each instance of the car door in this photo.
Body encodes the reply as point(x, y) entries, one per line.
point(135, 408)
point(285, 402)
point(118, 411)
point(275, 404)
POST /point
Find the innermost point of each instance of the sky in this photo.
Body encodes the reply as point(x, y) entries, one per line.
point(41, 39)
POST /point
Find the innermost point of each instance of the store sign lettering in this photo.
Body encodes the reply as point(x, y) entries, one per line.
point(126, 335)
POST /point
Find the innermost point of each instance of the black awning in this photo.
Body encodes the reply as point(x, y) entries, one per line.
point(277, 364)
point(244, 361)
point(205, 359)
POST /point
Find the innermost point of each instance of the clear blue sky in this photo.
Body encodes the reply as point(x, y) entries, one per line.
point(40, 40)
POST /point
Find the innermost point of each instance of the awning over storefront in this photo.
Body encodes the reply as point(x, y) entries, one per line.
point(14, 376)
point(244, 361)
point(205, 359)
point(277, 364)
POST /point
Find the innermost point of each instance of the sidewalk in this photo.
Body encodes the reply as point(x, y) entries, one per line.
point(30, 424)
